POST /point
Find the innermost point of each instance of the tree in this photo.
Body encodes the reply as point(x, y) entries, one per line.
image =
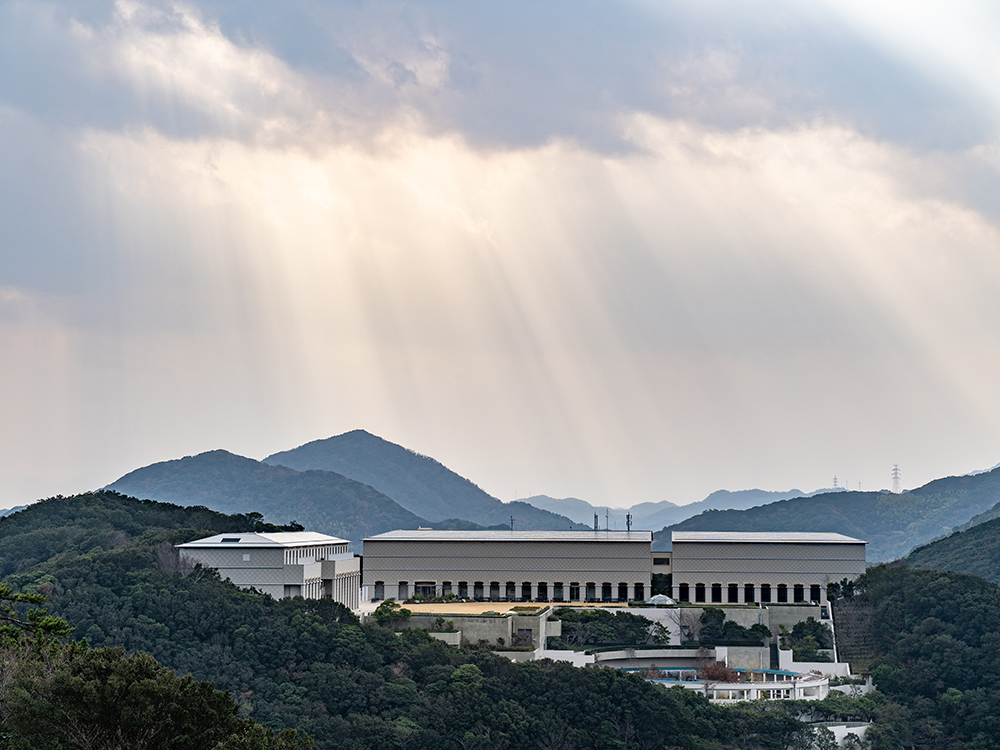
point(105, 698)
point(390, 614)
point(37, 623)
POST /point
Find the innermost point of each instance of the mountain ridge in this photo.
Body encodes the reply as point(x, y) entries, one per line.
point(649, 515)
point(324, 501)
point(419, 483)
point(891, 524)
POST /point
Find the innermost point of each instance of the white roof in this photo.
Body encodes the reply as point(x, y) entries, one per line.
point(451, 535)
point(258, 539)
point(772, 537)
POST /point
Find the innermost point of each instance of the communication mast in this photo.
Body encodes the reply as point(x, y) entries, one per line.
point(628, 521)
point(896, 474)
point(834, 481)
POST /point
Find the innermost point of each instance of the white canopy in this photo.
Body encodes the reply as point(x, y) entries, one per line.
point(660, 599)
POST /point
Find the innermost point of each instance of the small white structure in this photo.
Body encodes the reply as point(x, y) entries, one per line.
point(753, 685)
point(283, 564)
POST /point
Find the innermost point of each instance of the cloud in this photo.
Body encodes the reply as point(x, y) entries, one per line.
point(668, 299)
point(582, 252)
point(515, 74)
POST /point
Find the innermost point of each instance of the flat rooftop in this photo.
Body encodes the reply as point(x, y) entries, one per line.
point(450, 535)
point(770, 537)
point(255, 539)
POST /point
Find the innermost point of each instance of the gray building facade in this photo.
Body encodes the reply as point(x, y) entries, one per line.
point(556, 566)
point(284, 564)
point(719, 567)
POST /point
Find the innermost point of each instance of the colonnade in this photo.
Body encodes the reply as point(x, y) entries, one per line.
point(533, 591)
point(748, 593)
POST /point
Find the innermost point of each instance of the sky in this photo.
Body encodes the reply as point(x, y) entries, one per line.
point(623, 251)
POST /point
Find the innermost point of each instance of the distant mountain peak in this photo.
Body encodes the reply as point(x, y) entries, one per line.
point(418, 482)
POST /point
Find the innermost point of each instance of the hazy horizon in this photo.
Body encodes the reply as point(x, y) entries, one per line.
point(625, 252)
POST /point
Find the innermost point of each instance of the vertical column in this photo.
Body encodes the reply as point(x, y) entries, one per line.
point(631, 592)
point(534, 591)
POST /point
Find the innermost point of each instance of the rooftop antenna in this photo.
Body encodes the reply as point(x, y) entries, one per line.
point(896, 474)
point(512, 523)
point(595, 522)
point(607, 522)
point(628, 522)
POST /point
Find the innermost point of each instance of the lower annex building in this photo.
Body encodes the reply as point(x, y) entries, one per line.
point(282, 564)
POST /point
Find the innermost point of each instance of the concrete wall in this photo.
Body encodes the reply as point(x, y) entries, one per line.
point(666, 658)
point(834, 669)
point(452, 639)
point(474, 629)
point(534, 627)
point(745, 657)
point(232, 557)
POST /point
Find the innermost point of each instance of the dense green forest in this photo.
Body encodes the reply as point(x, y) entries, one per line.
point(936, 662)
point(107, 565)
point(976, 551)
point(313, 667)
point(891, 524)
point(418, 483)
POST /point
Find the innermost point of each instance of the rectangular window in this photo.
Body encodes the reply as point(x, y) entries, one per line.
point(246, 557)
point(748, 592)
point(699, 592)
point(765, 593)
point(734, 593)
point(683, 594)
point(717, 593)
point(661, 561)
point(798, 594)
point(782, 593)
point(574, 592)
point(814, 593)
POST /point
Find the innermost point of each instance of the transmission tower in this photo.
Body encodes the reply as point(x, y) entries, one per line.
point(895, 479)
point(834, 481)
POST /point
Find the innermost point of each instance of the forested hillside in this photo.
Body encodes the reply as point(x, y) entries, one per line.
point(419, 483)
point(891, 524)
point(320, 500)
point(975, 550)
point(310, 665)
point(937, 658)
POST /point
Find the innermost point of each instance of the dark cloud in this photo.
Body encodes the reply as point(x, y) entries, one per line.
point(513, 73)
